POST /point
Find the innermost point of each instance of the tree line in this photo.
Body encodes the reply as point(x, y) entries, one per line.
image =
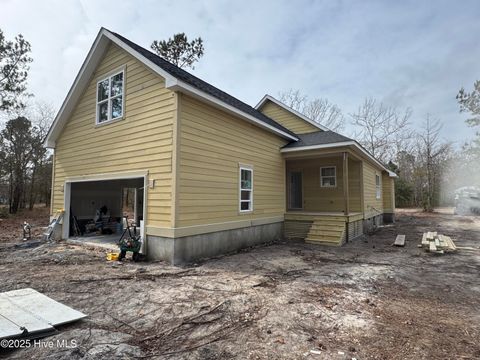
point(25, 165)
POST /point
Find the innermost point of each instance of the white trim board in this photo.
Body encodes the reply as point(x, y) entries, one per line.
point(95, 55)
point(289, 109)
point(338, 144)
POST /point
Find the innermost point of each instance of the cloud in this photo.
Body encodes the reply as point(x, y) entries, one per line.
point(407, 54)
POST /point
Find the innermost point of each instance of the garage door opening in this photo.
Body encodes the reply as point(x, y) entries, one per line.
point(96, 210)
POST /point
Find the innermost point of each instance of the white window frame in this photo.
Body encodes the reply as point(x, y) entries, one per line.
point(378, 187)
point(334, 176)
point(240, 201)
point(109, 99)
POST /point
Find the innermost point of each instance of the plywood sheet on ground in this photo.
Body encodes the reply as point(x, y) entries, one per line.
point(28, 311)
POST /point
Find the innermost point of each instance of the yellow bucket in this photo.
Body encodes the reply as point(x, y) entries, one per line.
point(112, 256)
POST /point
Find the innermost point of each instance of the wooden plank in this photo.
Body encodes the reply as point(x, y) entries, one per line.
point(453, 247)
point(432, 247)
point(425, 241)
point(400, 240)
point(448, 245)
point(442, 241)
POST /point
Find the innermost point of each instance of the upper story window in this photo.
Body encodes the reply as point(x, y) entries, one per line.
point(246, 189)
point(328, 176)
point(378, 187)
point(110, 97)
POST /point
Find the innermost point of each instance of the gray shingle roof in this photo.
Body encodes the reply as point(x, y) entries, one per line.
point(194, 81)
point(318, 138)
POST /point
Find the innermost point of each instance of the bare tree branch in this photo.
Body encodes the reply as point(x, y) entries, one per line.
point(381, 129)
point(319, 110)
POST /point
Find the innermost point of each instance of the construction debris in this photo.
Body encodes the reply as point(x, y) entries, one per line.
point(54, 228)
point(400, 240)
point(437, 243)
point(27, 231)
point(28, 313)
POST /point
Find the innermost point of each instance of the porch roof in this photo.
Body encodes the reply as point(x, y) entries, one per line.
point(330, 139)
point(317, 138)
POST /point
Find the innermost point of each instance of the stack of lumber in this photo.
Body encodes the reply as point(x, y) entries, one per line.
point(437, 243)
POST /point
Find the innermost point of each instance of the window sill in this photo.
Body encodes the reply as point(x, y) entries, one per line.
point(109, 122)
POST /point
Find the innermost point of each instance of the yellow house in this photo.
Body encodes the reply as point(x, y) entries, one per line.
point(210, 173)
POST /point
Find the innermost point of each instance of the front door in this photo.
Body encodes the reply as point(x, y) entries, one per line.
point(295, 186)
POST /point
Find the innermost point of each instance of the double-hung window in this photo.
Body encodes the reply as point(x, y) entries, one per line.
point(110, 97)
point(328, 176)
point(378, 187)
point(246, 189)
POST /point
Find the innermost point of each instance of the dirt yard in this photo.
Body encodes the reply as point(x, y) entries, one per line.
point(366, 300)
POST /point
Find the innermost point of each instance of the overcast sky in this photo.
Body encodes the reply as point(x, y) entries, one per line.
point(405, 53)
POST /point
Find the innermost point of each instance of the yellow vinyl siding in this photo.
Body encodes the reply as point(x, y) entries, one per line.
point(372, 205)
point(140, 141)
point(213, 144)
point(388, 193)
point(354, 185)
point(327, 199)
point(287, 119)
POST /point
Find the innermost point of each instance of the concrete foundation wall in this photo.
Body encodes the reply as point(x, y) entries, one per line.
point(190, 248)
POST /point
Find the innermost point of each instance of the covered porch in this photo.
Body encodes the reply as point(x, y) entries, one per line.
point(324, 196)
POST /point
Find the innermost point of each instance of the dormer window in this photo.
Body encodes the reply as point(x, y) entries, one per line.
point(110, 98)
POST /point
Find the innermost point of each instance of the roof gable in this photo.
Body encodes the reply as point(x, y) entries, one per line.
point(176, 79)
point(268, 98)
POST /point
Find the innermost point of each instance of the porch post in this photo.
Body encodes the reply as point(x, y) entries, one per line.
point(345, 183)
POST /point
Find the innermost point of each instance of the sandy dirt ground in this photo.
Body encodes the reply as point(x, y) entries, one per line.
point(365, 300)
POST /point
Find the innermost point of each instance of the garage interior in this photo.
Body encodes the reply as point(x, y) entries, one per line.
point(98, 209)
